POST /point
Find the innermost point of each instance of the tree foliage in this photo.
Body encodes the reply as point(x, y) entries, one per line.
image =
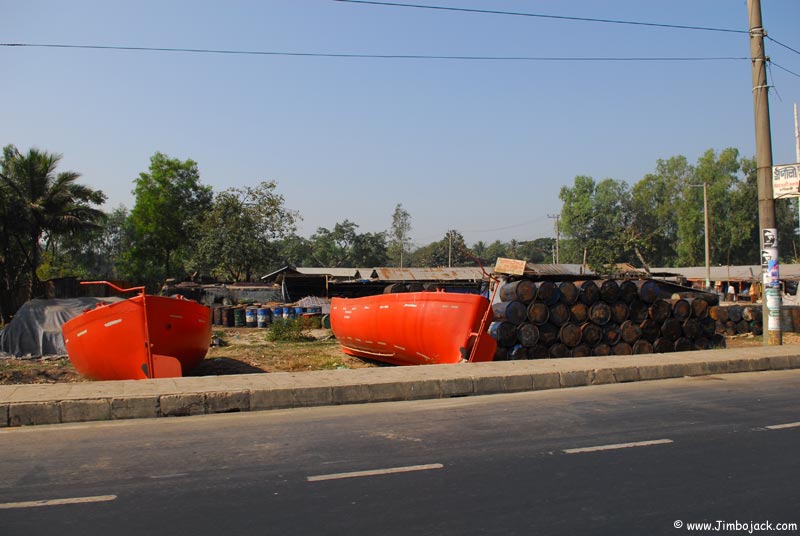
point(238, 235)
point(50, 226)
point(343, 246)
point(38, 207)
point(399, 234)
point(595, 218)
point(170, 201)
point(660, 220)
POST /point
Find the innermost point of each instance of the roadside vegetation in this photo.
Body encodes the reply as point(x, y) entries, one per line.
point(52, 226)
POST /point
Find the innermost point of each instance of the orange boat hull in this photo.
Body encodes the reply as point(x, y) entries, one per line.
point(414, 328)
point(111, 342)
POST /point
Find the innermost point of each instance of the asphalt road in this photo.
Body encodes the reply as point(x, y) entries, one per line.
point(706, 449)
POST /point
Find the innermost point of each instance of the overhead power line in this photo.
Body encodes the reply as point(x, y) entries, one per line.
point(543, 16)
point(373, 56)
point(783, 45)
point(784, 69)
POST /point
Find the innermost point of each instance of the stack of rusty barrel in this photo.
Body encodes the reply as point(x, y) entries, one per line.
point(737, 319)
point(541, 319)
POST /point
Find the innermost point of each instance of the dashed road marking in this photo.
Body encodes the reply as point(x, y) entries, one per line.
point(375, 472)
point(782, 426)
point(618, 446)
point(57, 502)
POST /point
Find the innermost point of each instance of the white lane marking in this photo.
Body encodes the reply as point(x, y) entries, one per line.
point(112, 323)
point(57, 502)
point(618, 446)
point(782, 426)
point(375, 472)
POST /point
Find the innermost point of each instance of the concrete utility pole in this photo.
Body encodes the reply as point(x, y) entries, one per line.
point(796, 135)
point(557, 217)
point(797, 160)
point(449, 249)
point(766, 203)
point(708, 241)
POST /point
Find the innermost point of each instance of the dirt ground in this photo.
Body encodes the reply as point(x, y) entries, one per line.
point(242, 351)
point(247, 351)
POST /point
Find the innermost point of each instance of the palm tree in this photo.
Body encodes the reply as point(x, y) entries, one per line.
point(47, 205)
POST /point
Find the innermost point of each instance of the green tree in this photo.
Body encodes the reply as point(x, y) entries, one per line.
point(654, 202)
point(343, 246)
point(449, 251)
point(595, 217)
point(239, 234)
point(369, 249)
point(399, 234)
point(538, 251)
point(39, 205)
point(479, 250)
point(718, 174)
point(495, 250)
point(576, 218)
point(170, 201)
point(294, 250)
point(95, 254)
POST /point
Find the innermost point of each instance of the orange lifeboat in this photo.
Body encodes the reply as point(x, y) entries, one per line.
point(414, 328)
point(142, 337)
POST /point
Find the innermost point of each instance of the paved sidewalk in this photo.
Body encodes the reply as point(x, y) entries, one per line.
point(22, 405)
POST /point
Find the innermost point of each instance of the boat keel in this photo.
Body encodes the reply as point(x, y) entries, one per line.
point(165, 366)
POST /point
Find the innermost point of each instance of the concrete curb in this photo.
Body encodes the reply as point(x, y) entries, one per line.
point(24, 405)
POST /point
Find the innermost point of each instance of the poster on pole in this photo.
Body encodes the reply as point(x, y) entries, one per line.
point(769, 247)
point(770, 237)
point(768, 255)
point(786, 181)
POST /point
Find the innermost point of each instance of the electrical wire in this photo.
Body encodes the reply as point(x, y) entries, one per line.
point(784, 69)
point(372, 56)
point(543, 16)
point(783, 45)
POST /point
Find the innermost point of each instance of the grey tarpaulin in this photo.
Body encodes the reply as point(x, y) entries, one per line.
point(35, 330)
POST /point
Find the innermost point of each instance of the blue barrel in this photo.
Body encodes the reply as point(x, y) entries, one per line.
point(298, 311)
point(513, 311)
point(288, 313)
point(251, 317)
point(263, 317)
point(277, 313)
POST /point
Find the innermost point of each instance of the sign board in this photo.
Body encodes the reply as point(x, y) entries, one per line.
point(786, 181)
point(509, 266)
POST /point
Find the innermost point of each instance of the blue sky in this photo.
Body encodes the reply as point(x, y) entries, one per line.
point(478, 146)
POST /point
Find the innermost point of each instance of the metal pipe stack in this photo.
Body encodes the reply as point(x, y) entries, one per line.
point(545, 319)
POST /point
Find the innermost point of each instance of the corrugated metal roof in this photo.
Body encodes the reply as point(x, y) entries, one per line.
point(428, 274)
point(557, 269)
point(729, 273)
point(352, 273)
